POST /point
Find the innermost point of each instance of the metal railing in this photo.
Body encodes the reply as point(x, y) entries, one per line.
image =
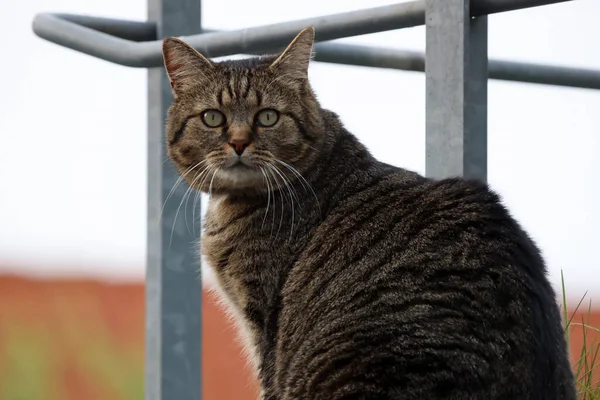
point(457, 69)
point(135, 44)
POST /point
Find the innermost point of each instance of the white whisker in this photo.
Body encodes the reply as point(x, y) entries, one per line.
point(211, 182)
point(270, 170)
point(177, 183)
point(184, 198)
point(277, 79)
point(193, 204)
point(291, 195)
point(197, 197)
point(302, 180)
point(268, 196)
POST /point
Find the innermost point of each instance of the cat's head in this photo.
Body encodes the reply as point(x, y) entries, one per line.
point(242, 126)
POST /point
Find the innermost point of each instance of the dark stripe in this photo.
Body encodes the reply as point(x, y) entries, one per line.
point(299, 124)
point(220, 97)
point(224, 259)
point(180, 131)
point(258, 97)
point(254, 313)
point(224, 132)
point(252, 283)
point(177, 158)
point(228, 79)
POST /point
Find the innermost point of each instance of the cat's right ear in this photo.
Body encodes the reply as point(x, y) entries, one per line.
point(184, 64)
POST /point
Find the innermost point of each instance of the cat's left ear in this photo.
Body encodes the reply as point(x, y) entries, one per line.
point(295, 58)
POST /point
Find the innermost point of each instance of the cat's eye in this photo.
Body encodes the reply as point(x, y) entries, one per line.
point(267, 118)
point(213, 118)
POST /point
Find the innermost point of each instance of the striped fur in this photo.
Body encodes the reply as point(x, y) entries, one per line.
point(351, 278)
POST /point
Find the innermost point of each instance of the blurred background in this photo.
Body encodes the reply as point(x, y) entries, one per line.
point(73, 181)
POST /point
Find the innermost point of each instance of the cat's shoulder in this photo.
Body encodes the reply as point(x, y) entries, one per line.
point(464, 187)
point(453, 186)
point(442, 193)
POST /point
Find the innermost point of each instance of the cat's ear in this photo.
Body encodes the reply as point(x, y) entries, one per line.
point(184, 64)
point(295, 58)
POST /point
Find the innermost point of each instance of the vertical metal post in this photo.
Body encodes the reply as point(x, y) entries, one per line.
point(456, 85)
point(173, 286)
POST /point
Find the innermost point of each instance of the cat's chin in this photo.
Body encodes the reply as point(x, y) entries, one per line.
point(239, 176)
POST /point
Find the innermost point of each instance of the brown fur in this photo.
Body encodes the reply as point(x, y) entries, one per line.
point(350, 278)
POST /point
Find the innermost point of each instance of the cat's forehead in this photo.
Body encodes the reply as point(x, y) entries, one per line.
point(247, 64)
point(238, 84)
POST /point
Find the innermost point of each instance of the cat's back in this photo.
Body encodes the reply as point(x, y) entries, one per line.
point(422, 287)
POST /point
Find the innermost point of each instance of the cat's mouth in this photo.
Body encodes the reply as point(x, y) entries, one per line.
point(238, 163)
point(240, 167)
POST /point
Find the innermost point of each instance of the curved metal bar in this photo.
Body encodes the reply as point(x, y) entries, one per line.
point(136, 31)
point(134, 44)
point(89, 41)
point(148, 54)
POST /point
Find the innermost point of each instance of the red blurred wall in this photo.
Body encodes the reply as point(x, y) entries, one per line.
point(80, 339)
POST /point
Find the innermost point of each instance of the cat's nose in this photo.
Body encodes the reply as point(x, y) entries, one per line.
point(239, 145)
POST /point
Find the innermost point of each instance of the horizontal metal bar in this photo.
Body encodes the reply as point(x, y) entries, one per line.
point(381, 57)
point(487, 7)
point(369, 56)
point(136, 31)
point(378, 57)
point(544, 74)
point(148, 54)
point(108, 43)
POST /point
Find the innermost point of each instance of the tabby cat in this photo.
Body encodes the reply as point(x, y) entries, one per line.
point(350, 278)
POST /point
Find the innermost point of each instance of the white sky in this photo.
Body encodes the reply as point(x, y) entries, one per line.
point(73, 129)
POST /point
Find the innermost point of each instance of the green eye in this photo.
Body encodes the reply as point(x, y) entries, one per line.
point(213, 118)
point(267, 118)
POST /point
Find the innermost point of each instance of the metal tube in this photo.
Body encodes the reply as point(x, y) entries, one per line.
point(368, 56)
point(136, 31)
point(456, 91)
point(173, 286)
point(148, 54)
point(544, 74)
point(378, 57)
point(381, 57)
point(485, 7)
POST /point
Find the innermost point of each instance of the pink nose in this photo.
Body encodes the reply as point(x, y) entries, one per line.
point(239, 145)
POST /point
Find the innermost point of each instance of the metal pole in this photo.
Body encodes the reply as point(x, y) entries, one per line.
point(456, 91)
point(173, 286)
